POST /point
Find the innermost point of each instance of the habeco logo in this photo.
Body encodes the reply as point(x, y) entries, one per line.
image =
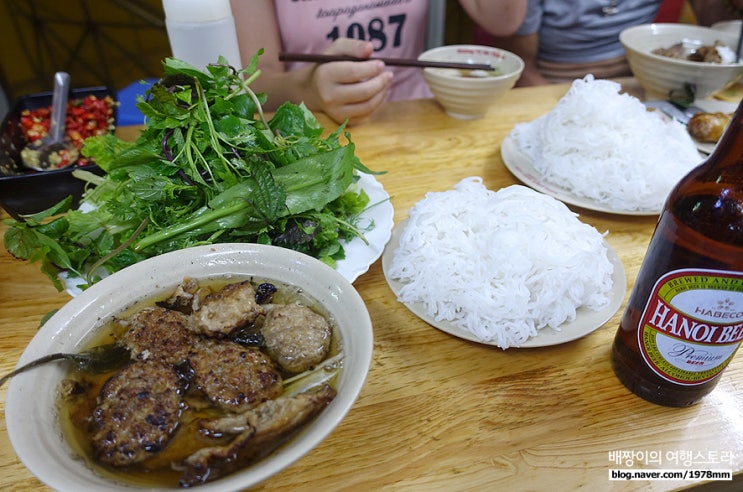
point(692, 324)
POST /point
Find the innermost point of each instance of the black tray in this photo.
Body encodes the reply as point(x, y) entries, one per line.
point(24, 192)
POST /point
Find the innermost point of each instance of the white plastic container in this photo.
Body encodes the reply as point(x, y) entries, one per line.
point(201, 30)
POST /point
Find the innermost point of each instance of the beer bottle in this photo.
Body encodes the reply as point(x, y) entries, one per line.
point(684, 318)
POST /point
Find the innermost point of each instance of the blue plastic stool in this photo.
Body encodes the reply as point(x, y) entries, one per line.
point(127, 113)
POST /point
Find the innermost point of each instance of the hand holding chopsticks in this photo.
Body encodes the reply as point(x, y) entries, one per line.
point(400, 62)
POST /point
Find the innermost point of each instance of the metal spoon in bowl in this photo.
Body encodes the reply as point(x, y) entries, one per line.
point(53, 151)
point(99, 359)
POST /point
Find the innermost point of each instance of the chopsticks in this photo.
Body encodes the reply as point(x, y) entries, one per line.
point(400, 62)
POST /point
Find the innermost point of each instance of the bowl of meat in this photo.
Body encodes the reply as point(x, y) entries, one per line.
point(90, 111)
point(215, 367)
point(681, 61)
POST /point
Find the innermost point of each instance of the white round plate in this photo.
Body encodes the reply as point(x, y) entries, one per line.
point(360, 255)
point(31, 414)
point(585, 322)
point(522, 167)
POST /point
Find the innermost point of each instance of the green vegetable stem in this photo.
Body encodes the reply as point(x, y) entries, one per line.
point(206, 168)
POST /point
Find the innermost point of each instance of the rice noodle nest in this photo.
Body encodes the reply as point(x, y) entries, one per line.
point(501, 265)
point(606, 146)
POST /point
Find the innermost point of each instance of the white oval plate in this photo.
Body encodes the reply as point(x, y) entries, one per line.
point(31, 414)
point(523, 168)
point(360, 255)
point(585, 322)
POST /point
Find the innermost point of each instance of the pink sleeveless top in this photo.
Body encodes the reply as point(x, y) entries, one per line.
point(397, 28)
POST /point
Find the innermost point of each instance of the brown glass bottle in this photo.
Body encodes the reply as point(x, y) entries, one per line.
point(684, 318)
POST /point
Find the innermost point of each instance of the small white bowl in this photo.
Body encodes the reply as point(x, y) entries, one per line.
point(465, 96)
point(31, 415)
point(660, 75)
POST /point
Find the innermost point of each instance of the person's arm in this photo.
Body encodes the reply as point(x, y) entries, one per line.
point(498, 17)
point(526, 46)
point(341, 90)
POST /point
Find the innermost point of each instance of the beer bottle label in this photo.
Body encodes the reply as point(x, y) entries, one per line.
point(692, 324)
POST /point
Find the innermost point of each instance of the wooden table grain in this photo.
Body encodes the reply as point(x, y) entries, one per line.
point(441, 413)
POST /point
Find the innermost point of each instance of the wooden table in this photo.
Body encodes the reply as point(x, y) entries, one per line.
point(440, 413)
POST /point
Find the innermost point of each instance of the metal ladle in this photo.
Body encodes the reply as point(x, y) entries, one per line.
point(48, 153)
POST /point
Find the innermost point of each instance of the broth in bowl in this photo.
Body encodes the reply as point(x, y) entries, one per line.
point(235, 394)
point(99, 315)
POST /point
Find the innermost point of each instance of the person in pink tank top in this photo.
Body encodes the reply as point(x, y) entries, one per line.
point(359, 28)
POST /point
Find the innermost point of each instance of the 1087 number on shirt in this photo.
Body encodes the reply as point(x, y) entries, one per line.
point(378, 31)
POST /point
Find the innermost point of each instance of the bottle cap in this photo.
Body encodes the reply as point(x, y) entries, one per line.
point(196, 10)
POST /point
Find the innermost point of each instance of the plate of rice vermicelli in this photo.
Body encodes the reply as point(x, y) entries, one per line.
point(509, 268)
point(601, 149)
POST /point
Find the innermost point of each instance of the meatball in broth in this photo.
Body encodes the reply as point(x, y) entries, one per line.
point(296, 337)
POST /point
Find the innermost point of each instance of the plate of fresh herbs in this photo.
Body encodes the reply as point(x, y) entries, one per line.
point(208, 167)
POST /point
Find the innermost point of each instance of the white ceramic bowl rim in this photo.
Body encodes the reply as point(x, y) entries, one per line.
point(689, 31)
point(489, 51)
point(30, 402)
point(730, 26)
